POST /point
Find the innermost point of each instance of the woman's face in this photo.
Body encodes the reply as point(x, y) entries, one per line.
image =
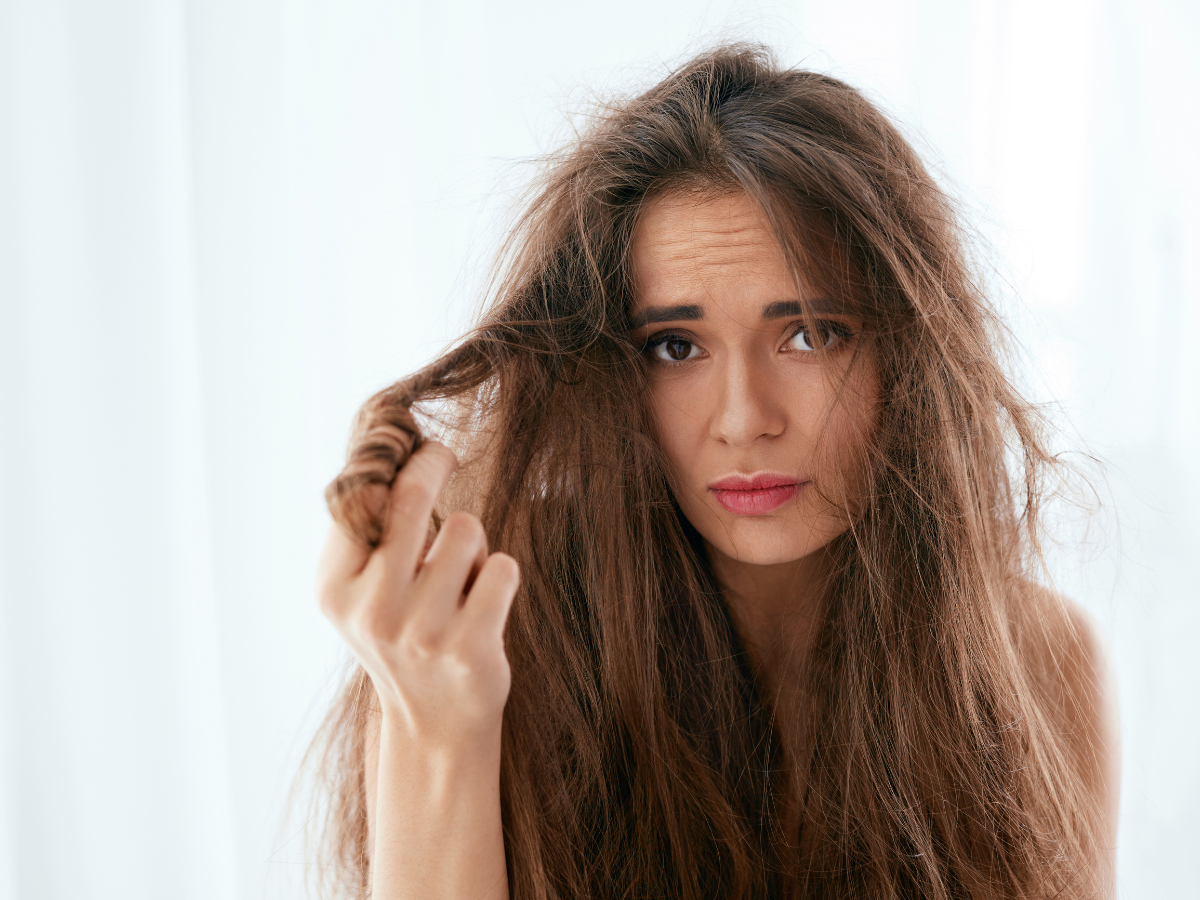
point(763, 434)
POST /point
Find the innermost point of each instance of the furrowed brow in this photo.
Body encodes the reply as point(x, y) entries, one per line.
point(688, 313)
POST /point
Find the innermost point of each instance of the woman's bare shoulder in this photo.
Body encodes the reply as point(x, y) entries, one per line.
point(1066, 655)
point(1062, 648)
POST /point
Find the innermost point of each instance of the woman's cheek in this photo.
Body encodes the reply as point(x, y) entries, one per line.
point(844, 445)
point(680, 419)
point(681, 429)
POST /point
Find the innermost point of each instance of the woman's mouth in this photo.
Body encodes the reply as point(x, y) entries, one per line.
point(755, 495)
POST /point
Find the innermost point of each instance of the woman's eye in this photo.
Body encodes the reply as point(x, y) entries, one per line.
point(821, 336)
point(674, 349)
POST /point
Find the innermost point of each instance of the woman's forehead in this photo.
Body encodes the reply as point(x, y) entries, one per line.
point(685, 242)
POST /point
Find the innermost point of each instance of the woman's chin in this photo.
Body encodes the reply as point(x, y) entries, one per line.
point(786, 536)
point(761, 541)
point(760, 552)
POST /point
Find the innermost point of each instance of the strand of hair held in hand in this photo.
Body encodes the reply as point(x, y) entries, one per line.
point(385, 435)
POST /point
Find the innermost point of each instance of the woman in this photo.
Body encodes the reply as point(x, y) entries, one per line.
point(761, 617)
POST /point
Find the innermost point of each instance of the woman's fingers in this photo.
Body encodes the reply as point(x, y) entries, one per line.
point(458, 553)
point(342, 557)
point(407, 507)
point(413, 495)
point(486, 610)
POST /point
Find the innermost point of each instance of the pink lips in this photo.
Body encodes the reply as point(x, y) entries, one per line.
point(755, 495)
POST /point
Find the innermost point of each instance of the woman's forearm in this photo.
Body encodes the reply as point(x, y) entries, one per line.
point(437, 832)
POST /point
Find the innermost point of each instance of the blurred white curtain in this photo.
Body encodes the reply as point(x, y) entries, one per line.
point(223, 223)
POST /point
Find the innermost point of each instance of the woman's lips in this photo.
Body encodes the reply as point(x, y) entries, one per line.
point(755, 495)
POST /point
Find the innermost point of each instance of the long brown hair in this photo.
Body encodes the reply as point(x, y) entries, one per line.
point(638, 757)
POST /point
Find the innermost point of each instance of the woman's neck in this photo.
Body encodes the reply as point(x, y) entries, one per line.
point(776, 610)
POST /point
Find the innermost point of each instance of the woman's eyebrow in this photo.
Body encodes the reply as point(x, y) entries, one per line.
point(783, 308)
point(689, 313)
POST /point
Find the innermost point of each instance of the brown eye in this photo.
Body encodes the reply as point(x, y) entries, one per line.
point(820, 336)
point(678, 349)
point(674, 349)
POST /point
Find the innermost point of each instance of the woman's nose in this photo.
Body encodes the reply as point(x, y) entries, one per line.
point(748, 405)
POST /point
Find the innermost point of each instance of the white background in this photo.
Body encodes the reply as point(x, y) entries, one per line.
point(224, 222)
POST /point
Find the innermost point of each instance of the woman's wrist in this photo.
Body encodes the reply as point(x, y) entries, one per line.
point(436, 758)
point(438, 829)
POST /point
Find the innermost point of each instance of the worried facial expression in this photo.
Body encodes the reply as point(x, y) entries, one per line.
point(761, 412)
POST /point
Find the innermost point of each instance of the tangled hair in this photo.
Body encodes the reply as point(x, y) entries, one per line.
point(638, 758)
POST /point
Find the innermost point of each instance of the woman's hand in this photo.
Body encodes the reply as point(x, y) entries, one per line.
point(427, 626)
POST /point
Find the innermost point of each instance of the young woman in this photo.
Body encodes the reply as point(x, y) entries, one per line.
point(728, 587)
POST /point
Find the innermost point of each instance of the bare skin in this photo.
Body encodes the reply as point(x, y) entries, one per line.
point(428, 629)
point(739, 393)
